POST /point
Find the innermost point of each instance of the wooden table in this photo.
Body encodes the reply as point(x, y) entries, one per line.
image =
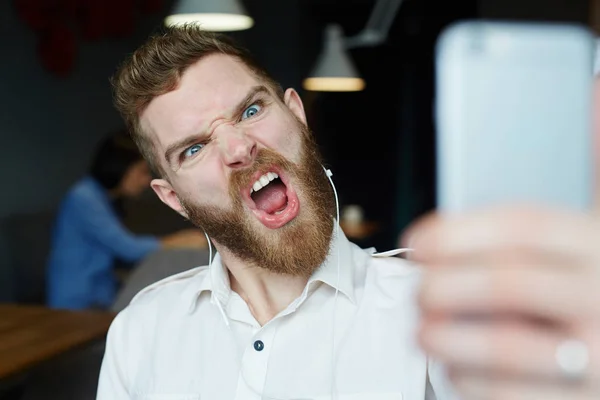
point(30, 335)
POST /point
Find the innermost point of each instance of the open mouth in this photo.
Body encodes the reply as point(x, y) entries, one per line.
point(272, 199)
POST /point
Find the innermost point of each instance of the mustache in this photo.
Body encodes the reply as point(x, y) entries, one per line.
point(265, 159)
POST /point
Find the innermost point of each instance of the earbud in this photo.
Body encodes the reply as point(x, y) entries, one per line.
point(209, 249)
point(337, 284)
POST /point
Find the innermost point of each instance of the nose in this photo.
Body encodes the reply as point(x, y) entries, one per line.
point(238, 150)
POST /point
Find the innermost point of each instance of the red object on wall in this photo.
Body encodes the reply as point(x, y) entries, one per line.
point(57, 49)
point(36, 14)
point(41, 14)
point(96, 19)
point(120, 17)
point(70, 9)
point(92, 19)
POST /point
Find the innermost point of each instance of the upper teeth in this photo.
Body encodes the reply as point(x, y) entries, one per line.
point(263, 181)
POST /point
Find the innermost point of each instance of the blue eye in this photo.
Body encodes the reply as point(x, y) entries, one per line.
point(251, 111)
point(190, 151)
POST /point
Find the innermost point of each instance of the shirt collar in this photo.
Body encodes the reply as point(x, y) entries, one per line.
point(340, 255)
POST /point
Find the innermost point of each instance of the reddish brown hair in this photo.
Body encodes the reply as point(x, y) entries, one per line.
point(156, 68)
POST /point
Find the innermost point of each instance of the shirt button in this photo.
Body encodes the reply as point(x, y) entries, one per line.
point(259, 345)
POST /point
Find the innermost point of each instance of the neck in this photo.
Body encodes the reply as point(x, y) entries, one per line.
point(265, 292)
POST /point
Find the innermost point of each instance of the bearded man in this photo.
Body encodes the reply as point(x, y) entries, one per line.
point(288, 308)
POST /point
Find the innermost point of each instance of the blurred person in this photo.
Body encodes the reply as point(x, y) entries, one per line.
point(89, 237)
point(531, 276)
point(289, 308)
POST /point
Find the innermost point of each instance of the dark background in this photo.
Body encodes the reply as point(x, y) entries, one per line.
point(378, 143)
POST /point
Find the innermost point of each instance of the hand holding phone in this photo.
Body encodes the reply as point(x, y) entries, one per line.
point(514, 125)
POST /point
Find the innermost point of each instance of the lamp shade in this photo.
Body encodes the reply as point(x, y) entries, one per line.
point(334, 71)
point(212, 15)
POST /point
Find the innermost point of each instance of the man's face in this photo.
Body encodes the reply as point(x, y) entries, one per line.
point(240, 164)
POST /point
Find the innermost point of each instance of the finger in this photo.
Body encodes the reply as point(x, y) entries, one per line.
point(506, 348)
point(499, 347)
point(478, 387)
point(546, 293)
point(441, 237)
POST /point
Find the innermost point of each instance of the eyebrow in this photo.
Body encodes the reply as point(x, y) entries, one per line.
point(247, 101)
point(239, 109)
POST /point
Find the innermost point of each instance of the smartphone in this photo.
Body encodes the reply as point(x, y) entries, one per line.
point(513, 115)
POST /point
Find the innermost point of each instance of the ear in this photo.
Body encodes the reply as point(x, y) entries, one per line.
point(167, 195)
point(293, 101)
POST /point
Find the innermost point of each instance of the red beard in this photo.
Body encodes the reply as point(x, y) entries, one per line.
point(297, 248)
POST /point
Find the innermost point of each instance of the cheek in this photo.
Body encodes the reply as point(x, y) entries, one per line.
point(206, 185)
point(292, 148)
point(282, 137)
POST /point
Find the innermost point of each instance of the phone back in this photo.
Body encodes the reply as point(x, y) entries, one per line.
point(513, 115)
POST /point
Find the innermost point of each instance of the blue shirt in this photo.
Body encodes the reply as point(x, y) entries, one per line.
point(87, 238)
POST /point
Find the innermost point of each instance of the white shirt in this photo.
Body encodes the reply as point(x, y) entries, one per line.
point(191, 337)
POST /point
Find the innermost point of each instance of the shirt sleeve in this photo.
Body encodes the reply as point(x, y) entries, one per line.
point(439, 386)
point(113, 380)
point(99, 222)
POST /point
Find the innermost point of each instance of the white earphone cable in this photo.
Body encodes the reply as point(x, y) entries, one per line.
point(337, 232)
point(337, 284)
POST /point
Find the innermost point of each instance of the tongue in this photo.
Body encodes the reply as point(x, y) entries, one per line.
point(271, 198)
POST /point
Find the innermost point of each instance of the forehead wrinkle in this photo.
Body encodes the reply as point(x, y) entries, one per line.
point(174, 120)
point(182, 112)
point(223, 79)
